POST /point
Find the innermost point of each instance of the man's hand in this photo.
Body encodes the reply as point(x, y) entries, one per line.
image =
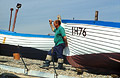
point(50, 21)
point(65, 39)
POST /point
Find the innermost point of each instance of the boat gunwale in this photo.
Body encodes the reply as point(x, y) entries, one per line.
point(24, 35)
point(92, 22)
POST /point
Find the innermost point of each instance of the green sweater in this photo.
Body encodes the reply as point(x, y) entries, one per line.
point(59, 34)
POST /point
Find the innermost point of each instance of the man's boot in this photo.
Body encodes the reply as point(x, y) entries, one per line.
point(47, 61)
point(60, 64)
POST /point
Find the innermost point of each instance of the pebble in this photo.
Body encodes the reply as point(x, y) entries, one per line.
point(33, 64)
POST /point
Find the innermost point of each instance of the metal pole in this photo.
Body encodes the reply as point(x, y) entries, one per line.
point(25, 66)
point(18, 6)
point(55, 73)
point(10, 19)
point(15, 20)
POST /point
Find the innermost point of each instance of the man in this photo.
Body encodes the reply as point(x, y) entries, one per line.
point(60, 41)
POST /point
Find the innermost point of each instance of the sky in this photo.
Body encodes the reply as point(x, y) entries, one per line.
point(33, 17)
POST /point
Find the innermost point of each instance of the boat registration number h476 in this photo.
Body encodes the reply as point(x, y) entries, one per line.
point(78, 31)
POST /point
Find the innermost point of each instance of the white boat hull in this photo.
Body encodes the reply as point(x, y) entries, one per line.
point(93, 44)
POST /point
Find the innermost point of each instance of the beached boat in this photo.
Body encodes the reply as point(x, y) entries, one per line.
point(31, 46)
point(93, 44)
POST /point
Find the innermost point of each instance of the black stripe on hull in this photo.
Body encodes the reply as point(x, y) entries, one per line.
point(26, 52)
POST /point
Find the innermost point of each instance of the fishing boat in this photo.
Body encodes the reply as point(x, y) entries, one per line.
point(93, 44)
point(31, 45)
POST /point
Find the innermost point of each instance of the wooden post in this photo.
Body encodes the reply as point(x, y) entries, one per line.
point(10, 19)
point(59, 17)
point(14, 20)
point(73, 18)
point(96, 15)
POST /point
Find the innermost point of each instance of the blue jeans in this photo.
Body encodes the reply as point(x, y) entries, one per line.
point(58, 50)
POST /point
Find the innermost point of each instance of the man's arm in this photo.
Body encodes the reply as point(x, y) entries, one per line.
point(65, 39)
point(50, 21)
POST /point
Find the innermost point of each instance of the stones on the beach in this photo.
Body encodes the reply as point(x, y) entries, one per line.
point(35, 65)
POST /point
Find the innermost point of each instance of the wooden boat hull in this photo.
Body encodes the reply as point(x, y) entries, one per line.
point(93, 44)
point(96, 61)
point(31, 46)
